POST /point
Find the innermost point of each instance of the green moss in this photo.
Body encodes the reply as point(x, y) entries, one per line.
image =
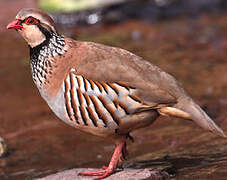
point(66, 5)
point(73, 5)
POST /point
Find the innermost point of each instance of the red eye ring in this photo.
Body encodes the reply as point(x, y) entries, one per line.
point(31, 21)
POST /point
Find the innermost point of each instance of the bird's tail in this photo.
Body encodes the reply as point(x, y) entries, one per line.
point(188, 109)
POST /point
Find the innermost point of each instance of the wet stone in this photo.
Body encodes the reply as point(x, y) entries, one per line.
point(127, 174)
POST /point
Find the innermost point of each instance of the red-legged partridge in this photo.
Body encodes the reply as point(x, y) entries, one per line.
point(102, 90)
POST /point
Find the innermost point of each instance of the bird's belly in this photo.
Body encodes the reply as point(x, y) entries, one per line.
point(57, 105)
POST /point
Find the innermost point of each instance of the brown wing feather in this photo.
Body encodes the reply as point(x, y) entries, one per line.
point(111, 65)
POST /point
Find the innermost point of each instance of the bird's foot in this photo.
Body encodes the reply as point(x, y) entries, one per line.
point(94, 173)
point(115, 162)
point(103, 173)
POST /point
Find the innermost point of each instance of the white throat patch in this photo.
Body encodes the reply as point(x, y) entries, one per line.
point(32, 34)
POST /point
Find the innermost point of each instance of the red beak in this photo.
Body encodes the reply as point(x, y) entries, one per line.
point(15, 24)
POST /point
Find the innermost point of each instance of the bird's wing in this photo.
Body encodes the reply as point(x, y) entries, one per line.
point(118, 71)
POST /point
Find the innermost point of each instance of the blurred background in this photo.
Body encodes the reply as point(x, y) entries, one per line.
point(186, 38)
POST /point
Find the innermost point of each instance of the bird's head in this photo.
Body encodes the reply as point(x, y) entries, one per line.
point(34, 25)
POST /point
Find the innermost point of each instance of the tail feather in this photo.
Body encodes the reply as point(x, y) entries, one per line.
point(202, 119)
point(188, 109)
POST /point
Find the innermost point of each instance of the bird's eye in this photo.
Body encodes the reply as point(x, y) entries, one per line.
point(31, 21)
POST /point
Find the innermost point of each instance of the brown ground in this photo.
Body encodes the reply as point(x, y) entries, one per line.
point(193, 50)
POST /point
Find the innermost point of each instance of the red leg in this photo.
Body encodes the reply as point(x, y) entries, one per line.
point(119, 152)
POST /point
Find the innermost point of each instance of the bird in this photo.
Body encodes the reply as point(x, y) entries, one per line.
point(102, 90)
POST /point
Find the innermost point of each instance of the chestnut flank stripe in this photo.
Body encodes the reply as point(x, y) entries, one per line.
point(105, 87)
point(116, 103)
point(99, 111)
point(114, 88)
point(92, 84)
point(125, 85)
point(73, 103)
point(124, 107)
point(87, 98)
point(98, 85)
point(80, 96)
point(110, 110)
point(83, 115)
point(67, 106)
point(135, 98)
point(92, 116)
point(78, 81)
point(85, 84)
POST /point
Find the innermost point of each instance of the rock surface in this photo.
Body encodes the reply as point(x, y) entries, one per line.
point(127, 174)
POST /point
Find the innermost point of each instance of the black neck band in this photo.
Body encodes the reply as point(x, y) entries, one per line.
point(34, 51)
